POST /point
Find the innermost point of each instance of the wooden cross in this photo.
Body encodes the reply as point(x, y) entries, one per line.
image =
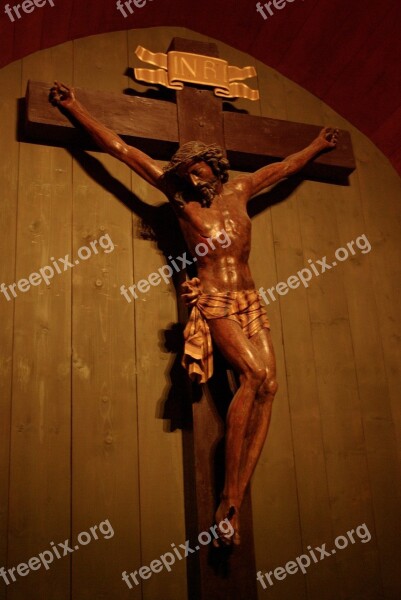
point(158, 127)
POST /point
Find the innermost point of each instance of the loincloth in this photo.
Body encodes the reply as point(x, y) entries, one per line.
point(243, 307)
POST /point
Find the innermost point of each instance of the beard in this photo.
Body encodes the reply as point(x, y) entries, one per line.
point(205, 192)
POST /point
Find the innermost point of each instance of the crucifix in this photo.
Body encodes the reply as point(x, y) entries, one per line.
point(224, 305)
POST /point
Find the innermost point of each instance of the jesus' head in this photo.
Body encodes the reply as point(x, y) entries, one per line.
point(201, 166)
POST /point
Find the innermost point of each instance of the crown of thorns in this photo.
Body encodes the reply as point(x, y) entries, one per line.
point(193, 151)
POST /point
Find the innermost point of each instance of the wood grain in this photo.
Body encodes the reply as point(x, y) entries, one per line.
point(40, 466)
point(299, 387)
point(374, 299)
point(337, 386)
point(105, 443)
point(151, 125)
point(10, 78)
point(160, 444)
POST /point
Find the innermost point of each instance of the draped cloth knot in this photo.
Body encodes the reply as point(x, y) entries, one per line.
point(243, 307)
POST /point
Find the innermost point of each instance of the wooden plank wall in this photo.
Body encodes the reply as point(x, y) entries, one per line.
point(105, 482)
point(40, 474)
point(84, 375)
point(10, 82)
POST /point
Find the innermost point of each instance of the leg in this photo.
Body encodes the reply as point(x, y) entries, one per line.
point(246, 359)
point(259, 421)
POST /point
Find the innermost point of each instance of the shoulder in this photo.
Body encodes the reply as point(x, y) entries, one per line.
point(241, 184)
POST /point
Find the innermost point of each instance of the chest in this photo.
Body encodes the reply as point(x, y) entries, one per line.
point(225, 213)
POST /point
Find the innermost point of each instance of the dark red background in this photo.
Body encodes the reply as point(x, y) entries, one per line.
point(346, 52)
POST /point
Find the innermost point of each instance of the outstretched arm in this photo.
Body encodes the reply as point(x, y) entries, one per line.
point(141, 163)
point(271, 174)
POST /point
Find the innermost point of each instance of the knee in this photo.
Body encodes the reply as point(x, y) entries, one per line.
point(268, 389)
point(254, 377)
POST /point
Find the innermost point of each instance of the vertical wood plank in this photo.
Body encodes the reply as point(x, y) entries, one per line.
point(278, 534)
point(313, 498)
point(380, 193)
point(162, 498)
point(40, 446)
point(339, 397)
point(374, 301)
point(105, 452)
point(10, 84)
point(160, 449)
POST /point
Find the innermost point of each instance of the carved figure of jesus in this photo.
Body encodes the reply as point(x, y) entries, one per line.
point(226, 309)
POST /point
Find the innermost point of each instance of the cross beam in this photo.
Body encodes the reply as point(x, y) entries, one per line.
point(152, 126)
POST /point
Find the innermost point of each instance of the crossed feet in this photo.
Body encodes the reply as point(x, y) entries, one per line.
point(227, 510)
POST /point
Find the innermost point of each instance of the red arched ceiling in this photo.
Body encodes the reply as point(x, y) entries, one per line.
point(346, 52)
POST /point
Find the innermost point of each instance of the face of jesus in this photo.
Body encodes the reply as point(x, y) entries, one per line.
point(202, 179)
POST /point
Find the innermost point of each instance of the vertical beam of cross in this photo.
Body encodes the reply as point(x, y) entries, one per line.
point(200, 117)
